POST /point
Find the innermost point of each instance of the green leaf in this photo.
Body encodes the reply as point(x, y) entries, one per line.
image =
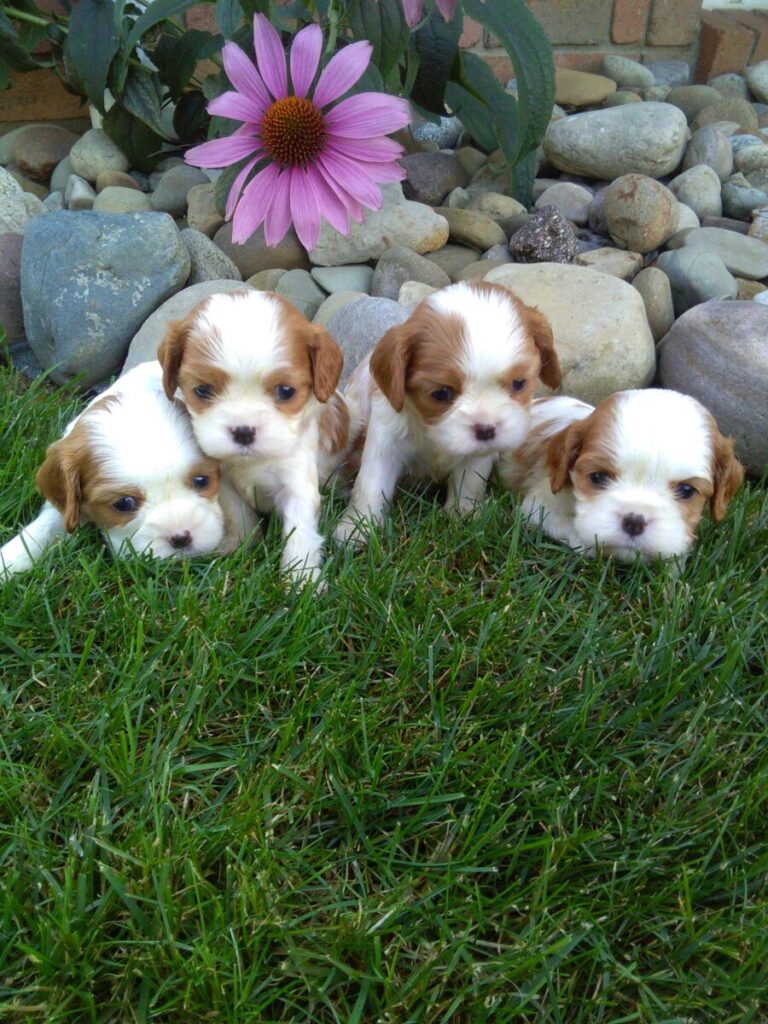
point(437, 45)
point(229, 16)
point(381, 22)
point(142, 99)
point(158, 10)
point(523, 175)
point(6, 25)
point(141, 145)
point(190, 119)
point(177, 56)
point(473, 114)
point(90, 47)
point(524, 40)
point(501, 106)
point(15, 56)
point(224, 183)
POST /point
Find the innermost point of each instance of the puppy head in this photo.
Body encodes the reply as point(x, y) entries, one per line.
point(251, 370)
point(464, 366)
point(643, 466)
point(131, 466)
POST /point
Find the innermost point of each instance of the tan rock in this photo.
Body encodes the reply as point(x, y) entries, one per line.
point(580, 88)
point(617, 262)
point(749, 289)
point(641, 213)
point(656, 293)
point(334, 303)
point(469, 227)
point(266, 280)
point(201, 209)
point(118, 179)
point(412, 293)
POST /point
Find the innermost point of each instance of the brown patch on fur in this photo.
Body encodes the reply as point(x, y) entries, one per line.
point(691, 509)
point(209, 468)
point(334, 425)
point(524, 369)
point(200, 367)
point(727, 473)
point(312, 348)
point(584, 441)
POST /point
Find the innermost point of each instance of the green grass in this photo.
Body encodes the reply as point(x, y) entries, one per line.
point(479, 779)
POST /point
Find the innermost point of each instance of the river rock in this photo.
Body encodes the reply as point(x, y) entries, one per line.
point(617, 262)
point(727, 109)
point(640, 212)
point(39, 148)
point(202, 214)
point(15, 208)
point(717, 352)
point(471, 228)
point(95, 152)
point(453, 258)
point(143, 346)
point(412, 293)
point(621, 97)
point(751, 158)
point(398, 265)
point(623, 72)
point(696, 276)
point(572, 200)
point(11, 314)
point(743, 256)
point(335, 302)
point(302, 291)
point(398, 222)
point(89, 280)
point(710, 147)
point(548, 237)
point(115, 179)
point(255, 255)
point(355, 278)
point(431, 176)
point(580, 88)
point(601, 334)
point(207, 261)
point(699, 188)
point(641, 138)
point(730, 84)
point(60, 175)
point(116, 199)
point(359, 325)
point(656, 293)
point(670, 72)
point(740, 198)
point(692, 99)
point(757, 80)
point(170, 196)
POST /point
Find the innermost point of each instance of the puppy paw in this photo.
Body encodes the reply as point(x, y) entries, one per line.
point(353, 532)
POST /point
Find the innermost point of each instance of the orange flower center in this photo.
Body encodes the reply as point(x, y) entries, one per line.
point(293, 130)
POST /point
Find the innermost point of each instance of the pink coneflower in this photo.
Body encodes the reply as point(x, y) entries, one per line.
point(322, 160)
point(412, 9)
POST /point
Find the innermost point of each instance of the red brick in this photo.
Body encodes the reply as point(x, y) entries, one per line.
point(579, 61)
point(629, 19)
point(673, 22)
point(472, 34)
point(201, 17)
point(573, 22)
point(758, 22)
point(38, 96)
point(724, 45)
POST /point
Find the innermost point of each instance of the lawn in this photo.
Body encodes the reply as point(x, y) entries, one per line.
point(478, 779)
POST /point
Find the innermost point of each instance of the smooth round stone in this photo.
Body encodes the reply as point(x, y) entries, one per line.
point(255, 255)
point(740, 199)
point(601, 333)
point(457, 198)
point(762, 298)
point(344, 279)
point(170, 196)
point(117, 199)
point(468, 227)
point(162, 167)
point(580, 88)
point(718, 353)
point(15, 209)
point(89, 280)
point(639, 138)
point(729, 108)
point(757, 80)
point(431, 176)
point(477, 271)
point(696, 276)
point(540, 186)
point(265, 280)
point(572, 200)
point(357, 327)
point(758, 179)
point(471, 159)
point(412, 293)
point(39, 148)
point(623, 72)
point(759, 226)
point(33, 187)
point(751, 158)
point(498, 253)
point(686, 218)
point(547, 237)
point(54, 201)
point(727, 223)
point(616, 262)
point(207, 261)
point(95, 152)
point(143, 346)
point(743, 256)
point(749, 289)
point(333, 304)
point(495, 205)
point(621, 97)
point(743, 140)
point(202, 214)
point(656, 293)
point(640, 212)
point(731, 85)
point(398, 265)
point(61, 174)
point(453, 258)
point(398, 222)
point(302, 291)
point(692, 99)
point(597, 223)
point(78, 195)
point(116, 179)
point(444, 134)
point(699, 188)
point(11, 313)
point(656, 93)
point(710, 147)
point(670, 72)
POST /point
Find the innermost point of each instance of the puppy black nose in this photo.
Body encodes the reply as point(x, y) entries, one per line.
point(633, 524)
point(181, 540)
point(484, 431)
point(243, 435)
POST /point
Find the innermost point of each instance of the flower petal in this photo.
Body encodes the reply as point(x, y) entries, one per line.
point(237, 185)
point(355, 209)
point(305, 58)
point(304, 210)
point(367, 114)
point(446, 8)
point(331, 206)
point(412, 11)
point(232, 104)
point(270, 57)
point(254, 204)
point(223, 152)
point(352, 177)
point(278, 218)
point(244, 76)
point(375, 150)
point(341, 72)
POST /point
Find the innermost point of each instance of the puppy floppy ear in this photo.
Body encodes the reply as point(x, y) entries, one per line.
point(562, 452)
point(389, 364)
point(170, 352)
point(58, 480)
point(540, 330)
point(327, 362)
point(727, 474)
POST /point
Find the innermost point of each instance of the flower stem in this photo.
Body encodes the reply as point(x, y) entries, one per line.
point(33, 19)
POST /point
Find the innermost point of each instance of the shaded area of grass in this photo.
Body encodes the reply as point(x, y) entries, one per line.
point(479, 779)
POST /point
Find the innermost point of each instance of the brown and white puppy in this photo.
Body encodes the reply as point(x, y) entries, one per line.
point(631, 477)
point(444, 393)
point(259, 382)
point(130, 464)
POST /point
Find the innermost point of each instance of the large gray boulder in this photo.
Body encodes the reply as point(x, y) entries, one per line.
point(88, 282)
point(718, 353)
point(358, 325)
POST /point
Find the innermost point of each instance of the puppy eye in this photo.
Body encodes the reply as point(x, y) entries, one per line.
point(284, 392)
point(200, 482)
point(443, 394)
point(519, 384)
point(125, 504)
point(204, 391)
point(599, 479)
point(685, 491)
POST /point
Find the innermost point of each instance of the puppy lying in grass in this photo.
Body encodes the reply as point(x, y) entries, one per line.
point(129, 463)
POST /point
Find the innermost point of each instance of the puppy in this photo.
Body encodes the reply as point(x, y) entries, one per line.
point(129, 463)
point(444, 393)
point(259, 382)
point(632, 476)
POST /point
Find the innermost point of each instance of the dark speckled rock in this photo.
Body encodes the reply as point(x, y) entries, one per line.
point(548, 237)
